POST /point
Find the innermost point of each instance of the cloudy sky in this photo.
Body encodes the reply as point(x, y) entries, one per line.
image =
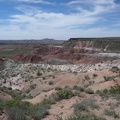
point(59, 19)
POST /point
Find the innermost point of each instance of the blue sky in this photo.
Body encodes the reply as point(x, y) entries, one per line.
point(59, 19)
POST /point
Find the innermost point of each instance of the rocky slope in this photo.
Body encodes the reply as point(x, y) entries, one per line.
point(15, 74)
point(75, 50)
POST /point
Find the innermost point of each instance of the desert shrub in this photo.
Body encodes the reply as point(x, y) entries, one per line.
point(95, 75)
point(50, 82)
point(116, 96)
point(78, 88)
point(98, 91)
point(115, 89)
point(87, 85)
point(17, 110)
point(43, 78)
point(61, 94)
point(83, 106)
point(104, 95)
point(77, 93)
point(13, 75)
point(115, 69)
point(89, 91)
point(107, 78)
point(58, 88)
point(39, 73)
point(39, 111)
point(15, 113)
point(75, 72)
point(28, 90)
point(85, 117)
point(67, 87)
point(16, 94)
point(111, 113)
point(87, 77)
point(9, 88)
point(33, 86)
point(105, 91)
point(64, 94)
point(2, 104)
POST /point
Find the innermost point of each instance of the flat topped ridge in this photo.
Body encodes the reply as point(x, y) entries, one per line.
point(117, 39)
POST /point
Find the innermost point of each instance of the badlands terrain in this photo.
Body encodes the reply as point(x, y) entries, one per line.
point(78, 79)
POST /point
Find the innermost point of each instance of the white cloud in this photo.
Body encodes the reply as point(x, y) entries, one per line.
point(14, 32)
point(53, 20)
point(37, 1)
point(28, 10)
point(36, 23)
point(95, 2)
point(30, 1)
point(97, 6)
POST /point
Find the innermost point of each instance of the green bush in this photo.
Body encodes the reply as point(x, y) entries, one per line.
point(64, 94)
point(95, 75)
point(78, 88)
point(39, 74)
point(16, 94)
point(18, 110)
point(50, 82)
point(115, 89)
point(58, 88)
point(39, 111)
point(115, 69)
point(2, 104)
point(105, 91)
point(107, 78)
point(77, 93)
point(89, 91)
point(16, 113)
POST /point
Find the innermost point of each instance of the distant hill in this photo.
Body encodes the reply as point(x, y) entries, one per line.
point(32, 41)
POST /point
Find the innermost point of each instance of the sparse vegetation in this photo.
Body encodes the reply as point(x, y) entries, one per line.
point(111, 113)
point(16, 94)
point(33, 86)
point(50, 82)
point(89, 91)
point(63, 94)
point(86, 77)
point(107, 78)
point(39, 73)
point(46, 77)
point(115, 90)
point(85, 117)
point(95, 75)
point(58, 88)
point(115, 69)
point(78, 88)
point(18, 110)
point(84, 106)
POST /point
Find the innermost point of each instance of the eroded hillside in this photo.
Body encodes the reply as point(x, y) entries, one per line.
point(75, 80)
point(58, 92)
